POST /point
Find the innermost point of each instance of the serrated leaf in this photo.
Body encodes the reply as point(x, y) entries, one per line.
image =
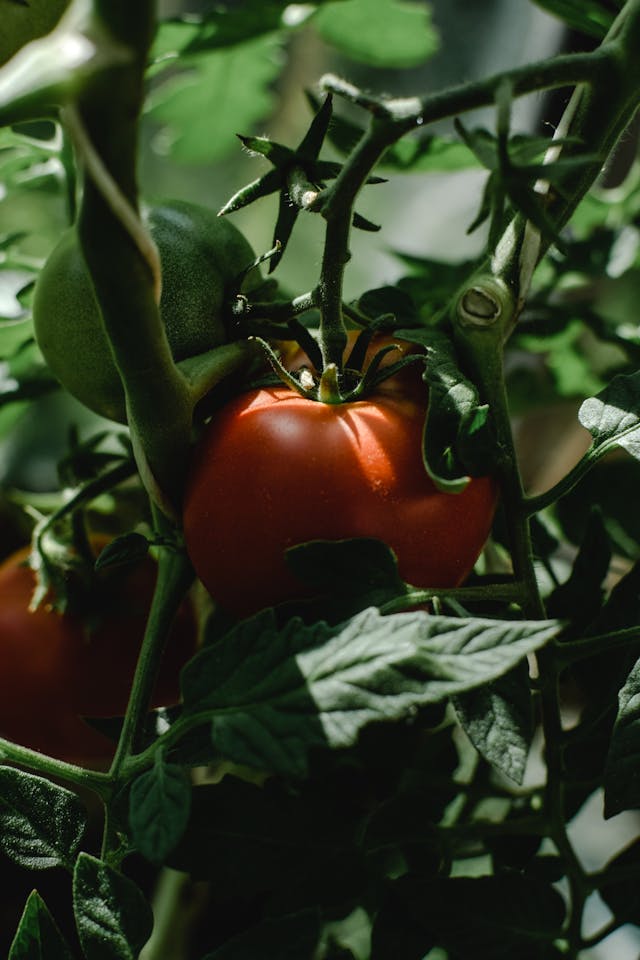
point(184, 102)
point(113, 918)
point(37, 936)
point(273, 694)
point(612, 418)
point(159, 804)
point(380, 33)
point(621, 783)
point(292, 937)
point(498, 719)
point(41, 823)
point(457, 435)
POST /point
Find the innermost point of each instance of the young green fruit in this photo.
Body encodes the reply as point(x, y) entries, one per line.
point(202, 256)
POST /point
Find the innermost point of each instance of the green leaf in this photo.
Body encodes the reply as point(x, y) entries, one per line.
point(293, 937)
point(426, 154)
point(219, 27)
point(483, 917)
point(612, 418)
point(622, 894)
point(113, 918)
point(354, 574)
point(458, 442)
point(159, 804)
point(200, 123)
point(586, 16)
point(37, 936)
point(498, 719)
point(432, 283)
point(41, 823)
point(621, 786)
point(580, 598)
point(380, 33)
point(272, 694)
point(130, 548)
point(389, 302)
point(402, 825)
point(291, 849)
point(611, 485)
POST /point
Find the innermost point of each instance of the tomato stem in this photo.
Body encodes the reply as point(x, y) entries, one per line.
point(336, 206)
point(121, 267)
point(99, 783)
point(175, 575)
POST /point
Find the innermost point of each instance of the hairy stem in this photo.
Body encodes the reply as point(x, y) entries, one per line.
point(121, 260)
point(174, 578)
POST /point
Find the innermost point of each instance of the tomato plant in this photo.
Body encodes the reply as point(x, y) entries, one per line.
point(322, 472)
point(58, 668)
point(202, 258)
point(413, 756)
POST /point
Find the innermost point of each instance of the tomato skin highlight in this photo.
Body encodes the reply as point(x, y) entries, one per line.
point(57, 670)
point(273, 470)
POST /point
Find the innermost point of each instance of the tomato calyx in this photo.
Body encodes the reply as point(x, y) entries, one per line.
point(361, 375)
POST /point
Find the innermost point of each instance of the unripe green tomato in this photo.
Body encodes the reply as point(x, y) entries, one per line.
point(201, 255)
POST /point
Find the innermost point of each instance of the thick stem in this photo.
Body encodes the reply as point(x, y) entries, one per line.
point(158, 400)
point(41, 763)
point(562, 71)
point(174, 578)
point(336, 207)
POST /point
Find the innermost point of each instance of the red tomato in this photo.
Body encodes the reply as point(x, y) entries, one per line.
point(56, 669)
point(274, 469)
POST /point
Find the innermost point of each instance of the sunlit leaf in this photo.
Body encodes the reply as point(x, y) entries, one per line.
point(41, 823)
point(273, 694)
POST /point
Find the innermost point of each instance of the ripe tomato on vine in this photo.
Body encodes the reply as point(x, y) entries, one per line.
point(60, 668)
point(275, 469)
